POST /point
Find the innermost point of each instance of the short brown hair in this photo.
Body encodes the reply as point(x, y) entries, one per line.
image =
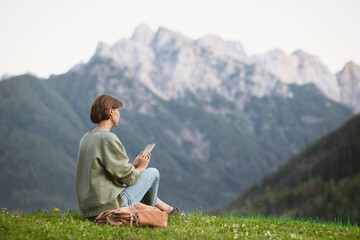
point(100, 108)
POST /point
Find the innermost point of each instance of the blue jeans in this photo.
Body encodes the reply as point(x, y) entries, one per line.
point(145, 190)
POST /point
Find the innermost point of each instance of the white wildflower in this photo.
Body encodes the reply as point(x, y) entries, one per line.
point(267, 233)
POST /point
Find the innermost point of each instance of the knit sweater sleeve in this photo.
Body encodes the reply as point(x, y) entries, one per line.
point(116, 162)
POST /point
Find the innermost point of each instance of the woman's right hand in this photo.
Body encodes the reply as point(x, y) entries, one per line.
point(143, 161)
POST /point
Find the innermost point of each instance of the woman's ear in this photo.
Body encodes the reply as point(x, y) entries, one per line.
point(111, 111)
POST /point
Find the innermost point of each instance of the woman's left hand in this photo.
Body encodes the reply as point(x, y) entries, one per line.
point(136, 161)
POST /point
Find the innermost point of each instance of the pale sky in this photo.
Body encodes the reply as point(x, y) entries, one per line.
point(50, 36)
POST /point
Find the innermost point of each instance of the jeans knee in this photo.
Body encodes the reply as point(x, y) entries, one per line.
point(155, 173)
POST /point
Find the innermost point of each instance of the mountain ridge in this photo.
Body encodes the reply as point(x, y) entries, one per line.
point(172, 54)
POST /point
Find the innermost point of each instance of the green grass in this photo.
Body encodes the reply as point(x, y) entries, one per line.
point(70, 225)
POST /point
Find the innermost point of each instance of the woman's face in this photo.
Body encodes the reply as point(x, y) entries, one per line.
point(115, 116)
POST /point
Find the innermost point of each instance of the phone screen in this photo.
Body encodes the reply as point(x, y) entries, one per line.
point(148, 148)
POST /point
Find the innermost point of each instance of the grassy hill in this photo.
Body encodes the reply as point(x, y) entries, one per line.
point(323, 181)
point(70, 225)
point(39, 130)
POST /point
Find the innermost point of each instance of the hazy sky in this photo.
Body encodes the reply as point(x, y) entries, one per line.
point(50, 36)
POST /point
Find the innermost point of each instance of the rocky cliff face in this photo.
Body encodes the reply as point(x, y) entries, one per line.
point(171, 64)
point(300, 68)
point(349, 81)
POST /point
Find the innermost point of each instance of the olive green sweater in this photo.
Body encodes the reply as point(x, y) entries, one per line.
point(102, 170)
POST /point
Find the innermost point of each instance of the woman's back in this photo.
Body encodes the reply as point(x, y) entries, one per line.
point(102, 168)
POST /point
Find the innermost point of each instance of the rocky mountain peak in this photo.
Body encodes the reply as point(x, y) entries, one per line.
point(300, 68)
point(277, 52)
point(350, 70)
point(103, 50)
point(166, 40)
point(170, 63)
point(350, 74)
point(300, 52)
point(220, 47)
point(280, 64)
point(210, 40)
point(349, 82)
point(143, 34)
point(311, 60)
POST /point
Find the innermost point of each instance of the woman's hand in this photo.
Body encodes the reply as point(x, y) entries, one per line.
point(141, 162)
point(136, 161)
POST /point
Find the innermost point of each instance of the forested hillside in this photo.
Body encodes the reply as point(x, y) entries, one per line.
point(322, 181)
point(38, 143)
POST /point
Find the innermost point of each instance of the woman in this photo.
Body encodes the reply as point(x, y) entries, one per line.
point(104, 177)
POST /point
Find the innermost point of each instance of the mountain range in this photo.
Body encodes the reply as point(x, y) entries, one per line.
point(170, 63)
point(220, 119)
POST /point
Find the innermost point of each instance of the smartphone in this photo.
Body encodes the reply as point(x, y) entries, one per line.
point(148, 148)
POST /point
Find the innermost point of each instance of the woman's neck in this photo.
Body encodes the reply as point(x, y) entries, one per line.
point(106, 124)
